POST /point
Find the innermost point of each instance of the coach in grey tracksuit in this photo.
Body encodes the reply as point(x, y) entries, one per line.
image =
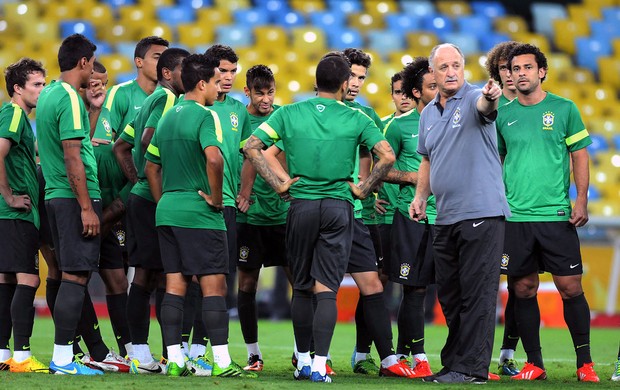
point(461, 167)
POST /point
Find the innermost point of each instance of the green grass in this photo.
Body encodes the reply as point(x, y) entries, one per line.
point(276, 342)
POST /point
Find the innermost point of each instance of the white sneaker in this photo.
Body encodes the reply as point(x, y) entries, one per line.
point(616, 375)
point(153, 367)
point(113, 362)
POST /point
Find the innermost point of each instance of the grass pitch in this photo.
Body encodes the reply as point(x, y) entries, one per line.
point(276, 340)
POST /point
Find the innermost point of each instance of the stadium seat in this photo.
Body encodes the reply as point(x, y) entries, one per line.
point(379, 8)
point(60, 11)
point(603, 29)
point(584, 11)
point(195, 4)
point(489, 9)
point(535, 39)
point(421, 43)
point(250, 17)
point(474, 69)
point(119, 3)
point(310, 41)
point(604, 208)
point(599, 144)
point(100, 15)
point(20, 14)
point(123, 77)
point(213, 16)
point(543, 15)
point(158, 29)
point(385, 41)
point(273, 8)
point(271, 37)
point(491, 39)
point(289, 19)
point(608, 128)
point(611, 14)
point(232, 4)
point(479, 25)
point(511, 25)
point(42, 33)
point(77, 26)
point(609, 71)
point(175, 15)
point(468, 43)
point(438, 25)
point(327, 20)
point(136, 15)
point(116, 63)
point(235, 35)
point(307, 6)
point(364, 21)
point(566, 30)
point(402, 22)
point(589, 50)
point(340, 39)
point(195, 34)
point(344, 6)
point(422, 8)
point(453, 8)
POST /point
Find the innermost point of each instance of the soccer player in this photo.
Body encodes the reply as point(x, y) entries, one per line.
point(72, 196)
point(411, 262)
point(261, 228)
point(185, 169)
point(321, 137)
point(19, 216)
point(144, 253)
point(540, 135)
point(499, 70)
point(457, 139)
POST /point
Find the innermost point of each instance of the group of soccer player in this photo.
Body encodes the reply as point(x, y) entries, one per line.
point(169, 175)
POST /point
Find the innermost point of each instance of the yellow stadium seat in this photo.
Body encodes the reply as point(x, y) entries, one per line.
point(42, 32)
point(307, 5)
point(156, 3)
point(137, 14)
point(608, 162)
point(601, 3)
point(249, 56)
point(566, 30)
point(421, 43)
point(293, 60)
point(100, 15)
point(606, 127)
point(116, 63)
point(584, 11)
point(601, 93)
point(232, 4)
point(380, 7)
point(590, 109)
point(604, 208)
point(20, 15)
point(609, 71)
point(511, 25)
point(120, 32)
point(612, 111)
point(535, 39)
point(615, 43)
point(195, 34)
point(453, 8)
point(213, 16)
point(310, 41)
point(558, 63)
point(158, 29)
point(271, 37)
point(400, 58)
point(59, 11)
point(365, 20)
point(569, 91)
point(474, 70)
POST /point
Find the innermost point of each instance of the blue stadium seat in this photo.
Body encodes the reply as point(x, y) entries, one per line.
point(468, 43)
point(345, 6)
point(418, 8)
point(478, 25)
point(327, 20)
point(122, 77)
point(119, 3)
point(273, 8)
point(250, 17)
point(616, 139)
point(543, 15)
point(490, 9)
point(593, 193)
point(438, 24)
point(385, 41)
point(195, 4)
point(176, 14)
point(589, 50)
point(77, 26)
point(239, 96)
point(611, 14)
point(235, 35)
point(127, 49)
point(290, 19)
point(402, 22)
point(300, 97)
point(104, 48)
point(599, 144)
point(604, 29)
point(341, 38)
point(491, 39)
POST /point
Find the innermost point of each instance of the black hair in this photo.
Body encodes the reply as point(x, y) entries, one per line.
point(413, 76)
point(99, 67)
point(259, 77)
point(397, 77)
point(170, 59)
point(498, 53)
point(357, 57)
point(72, 49)
point(17, 73)
point(222, 52)
point(331, 72)
point(526, 48)
point(196, 67)
point(145, 44)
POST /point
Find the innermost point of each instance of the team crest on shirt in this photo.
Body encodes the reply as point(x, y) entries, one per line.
point(505, 260)
point(404, 270)
point(120, 236)
point(36, 261)
point(107, 127)
point(320, 107)
point(456, 118)
point(244, 252)
point(234, 121)
point(548, 119)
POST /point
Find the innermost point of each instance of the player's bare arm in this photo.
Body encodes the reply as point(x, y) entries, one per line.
point(276, 158)
point(417, 208)
point(111, 215)
point(153, 175)
point(215, 173)
point(77, 182)
point(19, 202)
point(488, 102)
point(122, 152)
point(248, 176)
point(147, 135)
point(386, 160)
point(581, 174)
point(395, 176)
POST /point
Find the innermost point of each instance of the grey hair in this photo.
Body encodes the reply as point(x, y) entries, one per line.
point(431, 58)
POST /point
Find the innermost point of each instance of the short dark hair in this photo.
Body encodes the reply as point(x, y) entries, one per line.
point(99, 67)
point(331, 72)
point(336, 53)
point(222, 52)
point(17, 73)
point(145, 44)
point(498, 53)
point(72, 49)
point(413, 76)
point(397, 77)
point(357, 57)
point(196, 67)
point(259, 77)
point(526, 48)
point(170, 59)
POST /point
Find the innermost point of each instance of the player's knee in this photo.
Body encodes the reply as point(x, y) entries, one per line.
point(525, 288)
point(29, 280)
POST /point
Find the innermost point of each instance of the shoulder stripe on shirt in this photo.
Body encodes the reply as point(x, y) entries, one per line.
point(269, 130)
point(170, 98)
point(154, 150)
point(112, 94)
point(17, 116)
point(577, 137)
point(75, 106)
point(219, 134)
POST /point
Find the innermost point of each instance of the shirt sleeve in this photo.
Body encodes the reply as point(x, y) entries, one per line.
point(128, 134)
point(11, 124)
point(209, 130)
point(116, 103)
point(160, 107)
point(152, 151)
point(422, 136)
point(577, 136)
point(270, 131)
point(370, 135)
point(246, 129)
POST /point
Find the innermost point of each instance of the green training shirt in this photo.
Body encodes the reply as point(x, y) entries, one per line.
point(61, 115)
point(111, 178)
point(237, 129)
point(160, 101)
point(536, 142)
point(20, 163)
point(124, 101)
point(178, 146)
point(321, 137)
point(402, 134)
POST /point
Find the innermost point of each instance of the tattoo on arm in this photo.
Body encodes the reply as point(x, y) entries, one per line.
point(253, 152)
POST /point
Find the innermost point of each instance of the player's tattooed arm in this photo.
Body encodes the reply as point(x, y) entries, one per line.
point(384, 152)
point(152, 172)
point(253, 152)
point(401, 177)
point(122, 152)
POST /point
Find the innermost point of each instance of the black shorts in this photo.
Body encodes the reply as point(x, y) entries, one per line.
point(319, 234)
point(45, 233)
point(74, 252)
point(375, 236)
point(111, 255)
point(193, 251)
point(385, 233)
point(142, 234)
point(363, 257)
point(260, 246)
point(230, 219)
point(412, 253)
point(19, 241)
point(531, 247)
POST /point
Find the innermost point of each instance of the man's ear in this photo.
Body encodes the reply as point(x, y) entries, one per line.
point(138, 61)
